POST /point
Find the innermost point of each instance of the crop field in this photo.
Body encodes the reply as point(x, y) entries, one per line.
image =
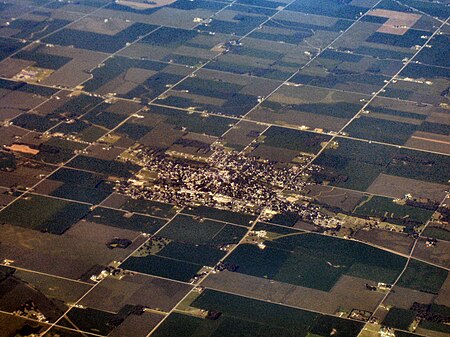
point(79, 185)
point(311, 107)
point(189, 229)
point(362, 164)
point(412, 76)
point(218, 92)
point(49, 293)
point(387, 208)
point(294, 140)
point(348, 72)
point(300, 259)
point(244, 316)
point(221, 215)
point(438, 232)
point(58, 216)
point(124, 220)
point(15, 323)
point(164, 267)
point(155, 293)
point(97, 41)
point(157, 209)
point(413, 278)
point(186, 246)
point(111, 167)
point(179, 46)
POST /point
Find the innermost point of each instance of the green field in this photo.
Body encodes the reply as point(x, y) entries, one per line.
point(399, 318)
point(187, 229)
point(81, 186)
point(120, 219)
point(294, 140)
point(316, 261)
point(356, 164)
point(211, 125)
point(222, 215)
point(198, 242)
point(159, 266)
point(155, 208)
point(246, 317)
point(386, 208)
point(43, 213)
point(89, 320)
point(440, 233)
point(424, 277)
point(198, 254)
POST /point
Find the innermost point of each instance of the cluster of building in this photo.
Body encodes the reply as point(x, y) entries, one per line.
point(30, 310)
point(228, 180)
point(118, 273)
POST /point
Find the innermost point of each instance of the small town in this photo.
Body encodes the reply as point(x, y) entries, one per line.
point(228, 180)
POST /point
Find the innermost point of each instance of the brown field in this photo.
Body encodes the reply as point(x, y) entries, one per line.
point(12, 66)
point(75, 71)
point(11, 324)
point(115, 200)
point(439, 254)
point(23, 175)
point(161, 137)
point(13, 103)
point(405, 298)
point(53, 103)
point(155, 293)
point(205, 139)
point(109, 26)
point(394, 241)
point(395, 118)
point(4, 197)
point(430, 142)
point(439, 116)
point(240, 133)
point(9, 133)
point(430, 333)
point(306, 226)
point(433, 112)
point(98, 151)
point(137, 325)
point(59, 255)
point(126, 82)
point(100, 233)
point(16, 292)
point(399, 22)
point(397, 187)
point(48, 186)
point(274, 153)
point(22, 149)
point(138, 50)
point(349, 292)
point(443, 297)
point(53, 287)
point(199, 99)
point(296, 119)
point(336, 197)
point(141, 5)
